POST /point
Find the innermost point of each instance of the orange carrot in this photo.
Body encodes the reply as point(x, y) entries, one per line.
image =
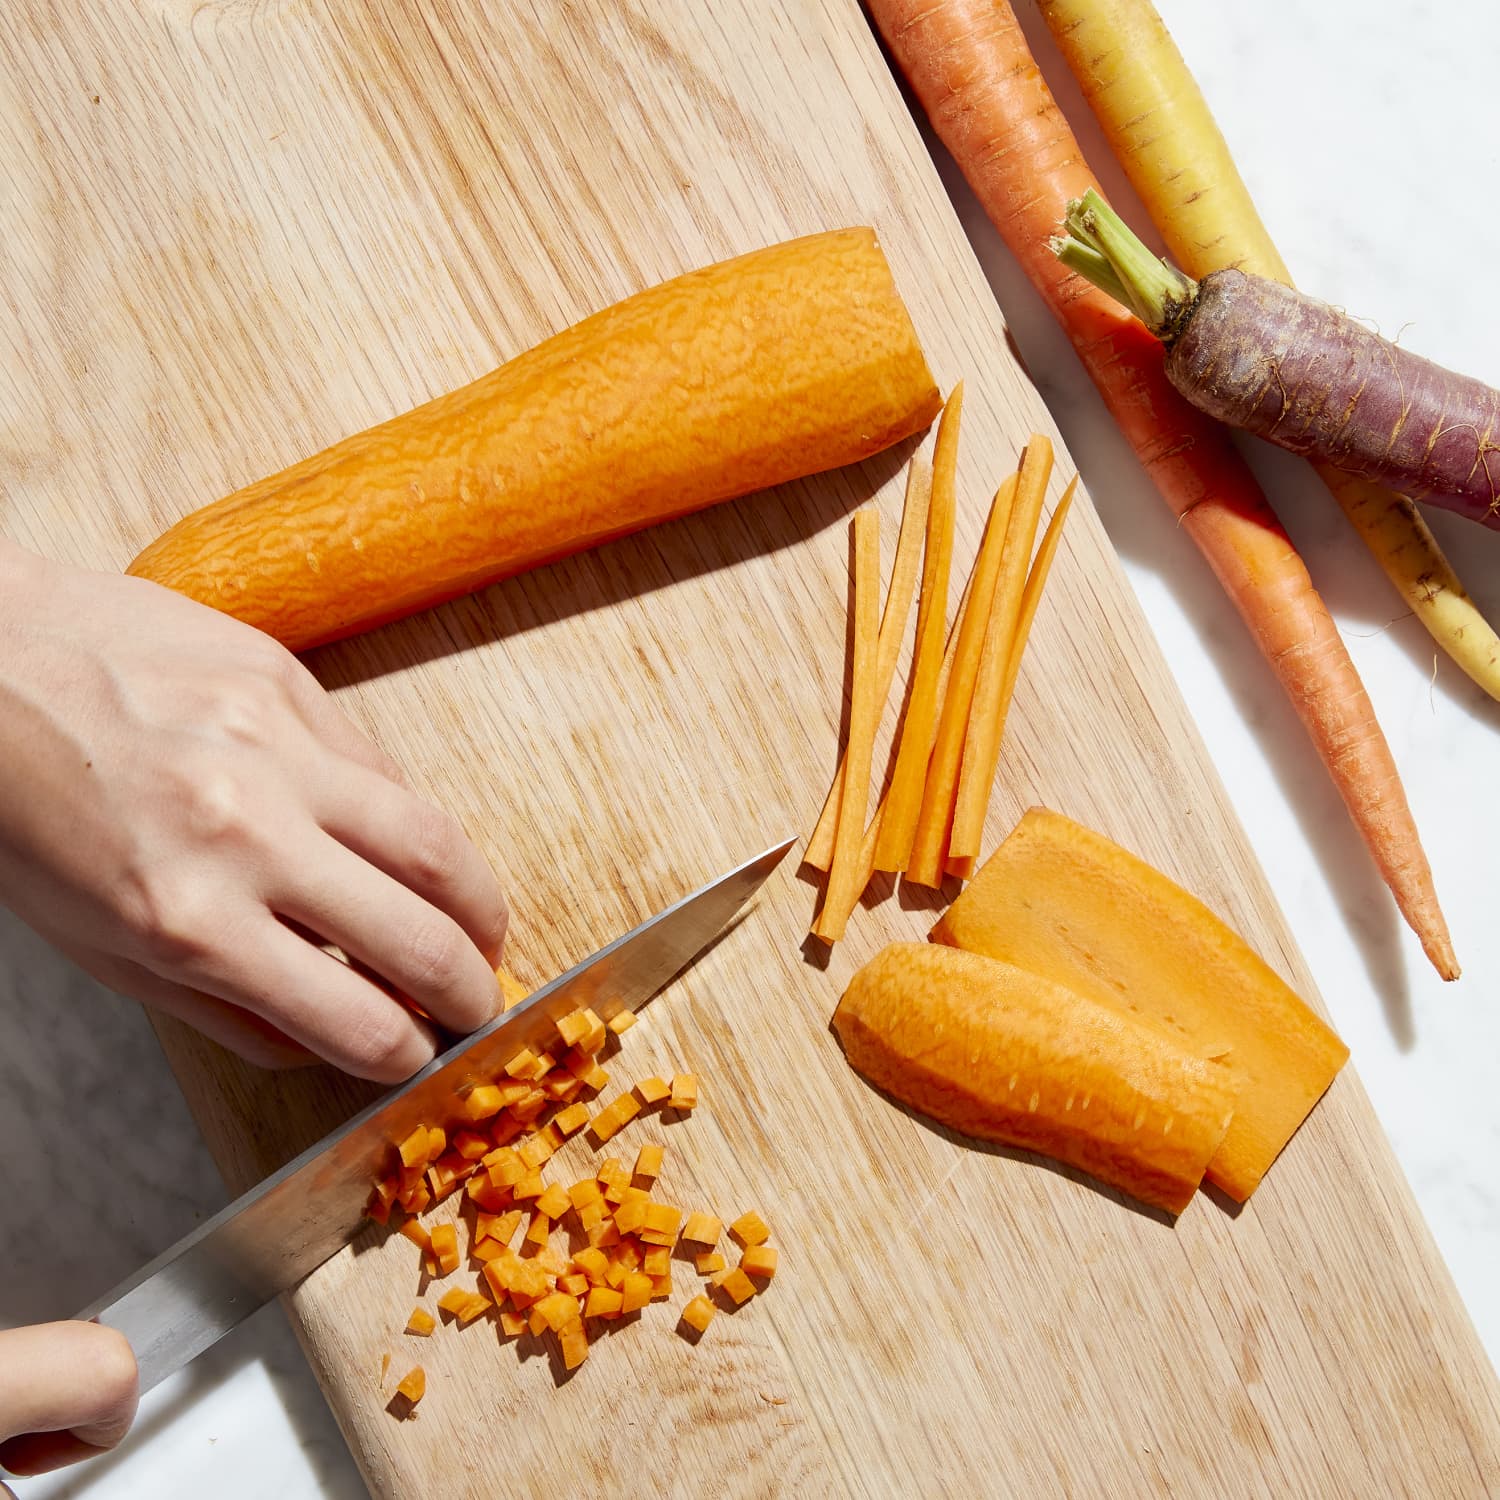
point(936, 816)
point(864, 711)
point(968, 62)
point(982, 737)
point(898, 821)
point(819, 853)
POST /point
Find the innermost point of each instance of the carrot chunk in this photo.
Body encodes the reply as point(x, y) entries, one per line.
point(553, 1202)
point(737, 1285)
point(657, 1261)
point(529, 1187)
point(648, 1161)
point(417, 1235)
point(622, 1021)
point(521, 1064)
point(603, 1302)
point(708, 1263)
point(750, 1229)
point(703, 1229)
point(575, 1283)
point(593, 1263)
point(575, 1345)
point(699, 1313)
point(573, 1028)
point(444, 1247)
point(482, 1101)
point(571, 1120)
point(636, 1290)
point(421, 1322)
point(684, 1093)
point(557, 1310)
point(653, 1090)
point(759, 1260)
point(414, 1148)
point(413, 1384)
point(454, 1300)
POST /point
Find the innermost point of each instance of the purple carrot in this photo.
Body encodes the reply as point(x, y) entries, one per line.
point(1299, 373)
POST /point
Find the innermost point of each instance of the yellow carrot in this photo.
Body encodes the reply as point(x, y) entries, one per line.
point(864, 711)
point(892, 628)
point(986, 716)
point(899, 819)
point(1160, 127)
point(936, 817)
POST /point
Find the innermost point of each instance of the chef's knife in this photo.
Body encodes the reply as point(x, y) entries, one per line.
point(266, 1241)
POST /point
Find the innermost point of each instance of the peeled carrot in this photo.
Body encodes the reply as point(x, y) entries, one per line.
point(1160, 128)
point(1036, 581)
point(898, 817)
point(929, 844)
point(969, 64)
point(904, 570)
point(864, 711)
point(982, 737)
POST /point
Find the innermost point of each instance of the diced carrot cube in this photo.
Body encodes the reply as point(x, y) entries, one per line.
point(437, 1142)
point(663, 1218)
point(497, 1273)
point(416, 1234)
point(552, 1261)
point(630, 1216)
point(454, 1300)
point(615, 1275)
point(417, 1200)
point(558, 1309)
point(648, 1161)
point(653, 1090)
point(514, 1090)
point(661, 1286)
point(513, 1323)
point(622, 1021)
point(573, 1028)
point(386, 1190)
point(421, 1322)
point(507, 1224)
point(562, 1087)
point(470, 1145)
point(478, 1303)
point(575, 1346)
point(593, 1263)
point(737, 1285)
point(535, 1150)
point(571, 1120)
point(658, 1237)
point(702, 1229)
point(530, 1186)
point(604, 1234)
point(612, 1170)
point(413, 1384)
point(635, 1195)
point(759, 1260)
point(585, 1191)
point(636, 1292)
point(628, 1252)
point(590, 1216)
point(699, 1313)
point(505, 1130)
point(482, 1101)
point(684, 1093)
point(603, 1302)
point(430, 1264)
point(445, 1248)
point(574, 1282)
point(657, 1261)
point(484, 1194)
point(505, 1167)
point(750, 1229)
point(596, 1035)
point(414, 1148)
point(536, 1320)
point(520, 1065)
point(706, 1265)
point(554, 1201)
point(538, 1230)
point(528, 1108)
point(487, 1250)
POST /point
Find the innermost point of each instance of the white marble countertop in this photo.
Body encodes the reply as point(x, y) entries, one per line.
point(1400, 108)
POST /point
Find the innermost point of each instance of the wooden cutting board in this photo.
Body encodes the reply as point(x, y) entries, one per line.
point(235, 232)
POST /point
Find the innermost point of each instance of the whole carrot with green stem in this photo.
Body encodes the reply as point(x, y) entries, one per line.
point(969, 65)
point(1160, 129)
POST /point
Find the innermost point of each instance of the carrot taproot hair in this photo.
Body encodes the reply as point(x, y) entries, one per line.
point(1160, 129)
point(968, 62)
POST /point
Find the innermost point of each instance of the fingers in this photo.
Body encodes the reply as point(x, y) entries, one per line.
point(320, 1003)
point(74, 1382)
point(415, 947)
point(243, 1032)
point(423, 848)
point(333, 727)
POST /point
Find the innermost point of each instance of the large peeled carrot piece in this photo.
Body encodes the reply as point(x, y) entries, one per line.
point(784, 362)
point(1160, 128)
point(1063, 901)
point(864, 713)
point(929, 845)
point(898, 816)
point(986, 715)
point(892, 628)
point(995, 1052)
point(969, 65)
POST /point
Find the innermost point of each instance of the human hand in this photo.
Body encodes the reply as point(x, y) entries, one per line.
point(67, 1391)
point(185, 813)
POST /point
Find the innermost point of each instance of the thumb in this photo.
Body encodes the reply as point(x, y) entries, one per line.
point(67, 1391)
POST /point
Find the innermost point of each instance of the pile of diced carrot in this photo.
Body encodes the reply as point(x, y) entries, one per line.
point(498, 1156)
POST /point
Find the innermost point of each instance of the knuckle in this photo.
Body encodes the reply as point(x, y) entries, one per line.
point(434, 955)
point(217, 807)
point(249, 709)
point(437, 847)
point(170, 920)
point(381, 1045)
point(112, 1370)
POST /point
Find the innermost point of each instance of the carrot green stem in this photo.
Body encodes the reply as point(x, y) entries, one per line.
point(1100, 246)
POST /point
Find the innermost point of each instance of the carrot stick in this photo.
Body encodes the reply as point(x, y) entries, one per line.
point(982, 737)
point(863, 712)
point(899, 821)
point(1160, 128)
point(936, 816)
point(969, 65)
point(904, 571)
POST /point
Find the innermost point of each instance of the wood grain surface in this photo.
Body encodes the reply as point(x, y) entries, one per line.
point(235, 232)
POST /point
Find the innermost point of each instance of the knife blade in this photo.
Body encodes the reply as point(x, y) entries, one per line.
point(284, 1228)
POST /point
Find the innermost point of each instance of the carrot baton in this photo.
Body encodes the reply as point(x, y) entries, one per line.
point(904, 570)
point(969, 65)
point(1160, 128)
point(1260, 355)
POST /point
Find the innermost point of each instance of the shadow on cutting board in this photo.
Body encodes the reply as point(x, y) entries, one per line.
point(645, 562)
